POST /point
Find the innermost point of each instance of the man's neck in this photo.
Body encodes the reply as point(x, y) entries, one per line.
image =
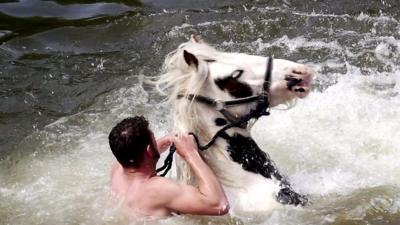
point(146, 171)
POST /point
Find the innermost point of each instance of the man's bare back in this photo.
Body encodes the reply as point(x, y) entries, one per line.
point(139, 192)
point(145, 193)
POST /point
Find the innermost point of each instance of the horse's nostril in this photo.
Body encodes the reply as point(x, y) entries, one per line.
point(291, 82)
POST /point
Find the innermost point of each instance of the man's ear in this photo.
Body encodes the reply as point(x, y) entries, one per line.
point(149, 147)
point(190, 59)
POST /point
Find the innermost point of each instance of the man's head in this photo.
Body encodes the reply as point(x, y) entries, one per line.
point(129, 140)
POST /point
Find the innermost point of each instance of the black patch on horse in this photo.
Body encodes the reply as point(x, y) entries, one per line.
point(245, 151)
point(235, 88)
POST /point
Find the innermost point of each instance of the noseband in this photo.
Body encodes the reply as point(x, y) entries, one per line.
point(261, 109)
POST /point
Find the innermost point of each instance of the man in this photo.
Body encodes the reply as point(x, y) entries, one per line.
point(134, 177)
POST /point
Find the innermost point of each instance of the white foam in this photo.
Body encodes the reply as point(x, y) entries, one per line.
point(334, 142)
point(340, 140)
point(319, 15)
point(178, 30)
point(292, 44)
point(388, 50)
point(381, 18)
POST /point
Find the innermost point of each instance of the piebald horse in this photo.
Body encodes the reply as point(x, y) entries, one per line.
point(250, 178)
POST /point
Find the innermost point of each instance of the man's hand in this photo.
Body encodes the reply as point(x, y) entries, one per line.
point(164, 142)
point(185, 145)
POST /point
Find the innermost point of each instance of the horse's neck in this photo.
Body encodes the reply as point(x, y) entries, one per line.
point(203, 125)
point(234, 153)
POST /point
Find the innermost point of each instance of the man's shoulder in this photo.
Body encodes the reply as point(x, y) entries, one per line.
point(160, 182)
point(157, 191)
point(162, 185)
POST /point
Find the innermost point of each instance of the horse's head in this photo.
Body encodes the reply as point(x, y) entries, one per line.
point(195, 68)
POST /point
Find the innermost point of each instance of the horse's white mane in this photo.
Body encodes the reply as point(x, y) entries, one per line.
point(176, 74)
point(178, 78)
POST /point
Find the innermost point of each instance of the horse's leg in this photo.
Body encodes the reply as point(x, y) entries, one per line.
point(245, 151)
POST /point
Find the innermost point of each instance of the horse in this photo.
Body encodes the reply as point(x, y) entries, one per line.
point(196, 70)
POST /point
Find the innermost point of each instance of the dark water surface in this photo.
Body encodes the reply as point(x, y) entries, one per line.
point(62, 59)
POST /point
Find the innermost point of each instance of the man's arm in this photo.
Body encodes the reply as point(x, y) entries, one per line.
point(209, 198)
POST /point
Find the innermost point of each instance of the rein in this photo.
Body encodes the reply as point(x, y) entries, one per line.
point(261, 109)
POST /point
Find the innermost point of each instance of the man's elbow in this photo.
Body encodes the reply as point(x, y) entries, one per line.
point(221, 207)
point(224, 208)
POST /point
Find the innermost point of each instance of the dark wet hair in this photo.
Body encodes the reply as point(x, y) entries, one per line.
point(129, 139)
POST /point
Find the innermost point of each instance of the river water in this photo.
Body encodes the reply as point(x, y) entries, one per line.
point(70, 70)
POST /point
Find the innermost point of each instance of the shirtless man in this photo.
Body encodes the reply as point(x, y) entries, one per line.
point(134, 177)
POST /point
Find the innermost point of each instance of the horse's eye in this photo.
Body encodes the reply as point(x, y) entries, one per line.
point(236, 74)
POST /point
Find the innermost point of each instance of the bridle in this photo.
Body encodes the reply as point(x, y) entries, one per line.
point(222, 106)
point(261, 109)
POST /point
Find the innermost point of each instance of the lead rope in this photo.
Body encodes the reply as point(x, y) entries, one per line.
point(262, 109)
point(167, 162)
point(169, 159)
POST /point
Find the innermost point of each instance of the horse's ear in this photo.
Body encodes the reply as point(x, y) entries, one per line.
point(196, 38)
point(190, 59)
